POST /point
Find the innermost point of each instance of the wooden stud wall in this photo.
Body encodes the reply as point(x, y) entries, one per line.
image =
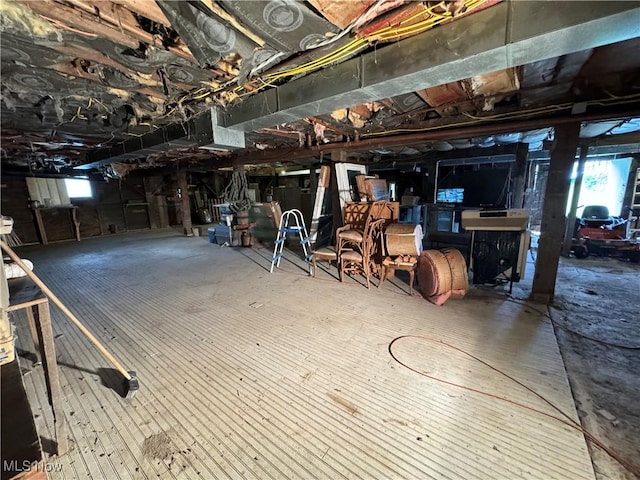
point(15, 203)
point(131, 204)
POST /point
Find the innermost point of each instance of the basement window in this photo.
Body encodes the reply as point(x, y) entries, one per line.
point(78, 188)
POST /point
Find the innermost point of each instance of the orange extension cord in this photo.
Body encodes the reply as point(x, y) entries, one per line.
point(569, 421)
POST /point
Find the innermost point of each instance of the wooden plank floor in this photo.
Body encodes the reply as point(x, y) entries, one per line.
point(250, 375)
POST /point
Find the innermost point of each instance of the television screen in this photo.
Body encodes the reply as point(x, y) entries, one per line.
point(450, 195)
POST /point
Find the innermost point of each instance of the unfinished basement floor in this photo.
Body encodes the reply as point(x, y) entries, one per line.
point(246, 374)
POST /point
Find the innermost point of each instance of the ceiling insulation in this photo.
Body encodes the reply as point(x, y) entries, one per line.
point(80, 76)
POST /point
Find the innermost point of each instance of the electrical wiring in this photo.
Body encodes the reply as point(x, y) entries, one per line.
point(236, 193)
point(427, 9)
point(548, 315)
point(363, 18)
point(426, 24)
point(510, 115)
point(202, 95)
point(331, 57)
point(411, 29)
point(78, 114)
point(563, 106)
point(582, 335)
point(352, 46)
point(417, 130)
point(616, 101)
point(549, 108)
point(189, 96)
point(567, 420)
point(359, 44)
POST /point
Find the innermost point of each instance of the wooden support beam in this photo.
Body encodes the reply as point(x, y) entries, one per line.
point(48, 357)
point(40, 224)
point(630, 191)
point(553, 212)
point(183, 185)
point(519, 175)
point(123, 206)
point(151, 204)
point(577, 186)
point(471, 129)
point(109, 12)
point(429, 191)
point(146, 8)
point(290, 134)
point(116, 24)
point(81, 21)
point(343, 130)
point(92, 55)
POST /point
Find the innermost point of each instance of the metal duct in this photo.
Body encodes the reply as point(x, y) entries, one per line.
point(202, 130)
point(506, 35)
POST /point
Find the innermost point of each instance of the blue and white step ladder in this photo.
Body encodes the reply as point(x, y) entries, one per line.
point(291, 222)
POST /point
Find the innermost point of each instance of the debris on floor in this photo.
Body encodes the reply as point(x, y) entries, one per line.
point(158, 446)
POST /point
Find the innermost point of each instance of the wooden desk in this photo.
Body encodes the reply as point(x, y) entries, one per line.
point(73, 213)
point(26, 295)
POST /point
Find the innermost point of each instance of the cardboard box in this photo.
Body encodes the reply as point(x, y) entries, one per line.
point(409, 200)
point(376, 189)
point(325, 175)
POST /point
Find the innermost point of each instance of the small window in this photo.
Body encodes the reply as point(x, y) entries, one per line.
point(78, 188)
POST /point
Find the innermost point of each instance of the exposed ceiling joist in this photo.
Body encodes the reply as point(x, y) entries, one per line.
point(475, 130)
point(121, 88)
point(499, 37)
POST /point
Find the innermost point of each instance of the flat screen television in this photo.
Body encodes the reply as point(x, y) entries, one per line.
point(450, 195)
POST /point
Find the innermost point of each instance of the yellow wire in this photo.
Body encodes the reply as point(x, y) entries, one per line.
point(434, 20)
point(428, 10)
point(327, 58)
point(386, 32)
point(548, 108)
point(79, 114)
point(410, 30)
point(202, 95)
point(357, 45)
point(470, 5)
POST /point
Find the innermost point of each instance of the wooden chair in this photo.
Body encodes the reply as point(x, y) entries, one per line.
point(364, 223)
point(357, 218)
point(356, 249)
point(327, 254)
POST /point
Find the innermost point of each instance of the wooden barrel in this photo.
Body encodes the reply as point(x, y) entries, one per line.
point(434, 276)
point(403, 239)
point(459, 277)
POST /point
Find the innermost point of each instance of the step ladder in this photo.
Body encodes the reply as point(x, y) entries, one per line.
point(291, 222)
